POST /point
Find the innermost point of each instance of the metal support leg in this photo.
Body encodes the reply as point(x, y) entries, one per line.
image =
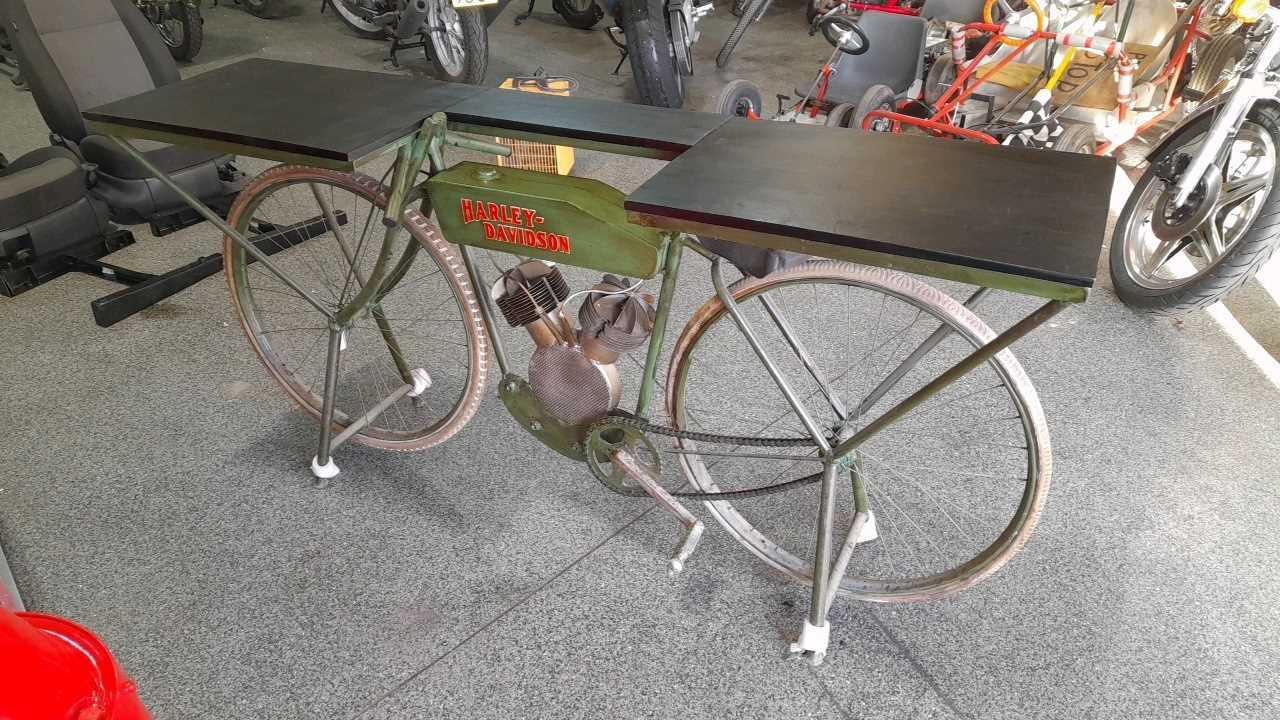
point(815, 634)
point(323, 466)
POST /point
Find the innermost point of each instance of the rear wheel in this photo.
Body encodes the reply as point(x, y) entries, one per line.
point(942, 74)
point(581, 14)
point(1076, 139)
point(955, 487)
point(652, 54)
point(877, 97)
point(426, 316)
point(841, 115)
point(740, 98)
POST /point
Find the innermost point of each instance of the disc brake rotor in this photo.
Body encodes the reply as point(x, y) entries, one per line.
point(1171, 223)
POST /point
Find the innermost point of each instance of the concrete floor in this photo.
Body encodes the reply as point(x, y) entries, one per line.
point(155, 491)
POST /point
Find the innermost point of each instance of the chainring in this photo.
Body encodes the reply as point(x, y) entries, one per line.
point(607, 437)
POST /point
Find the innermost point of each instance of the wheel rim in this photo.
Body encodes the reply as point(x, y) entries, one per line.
point(1163, 264)
point(884, 569)
point(743, 107)
point(423, 310)
point(349, 15)
point(446, 39)
point(172, 31)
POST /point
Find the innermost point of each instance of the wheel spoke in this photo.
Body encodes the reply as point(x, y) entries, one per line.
point(1163, 252)
point(1237, 191)
point(1208, 240)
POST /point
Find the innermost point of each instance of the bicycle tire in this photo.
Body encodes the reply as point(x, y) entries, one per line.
point(965, 324)
point(286, 374)
point(748, 16)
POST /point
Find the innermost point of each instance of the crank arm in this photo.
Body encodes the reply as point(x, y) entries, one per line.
point(693, 526)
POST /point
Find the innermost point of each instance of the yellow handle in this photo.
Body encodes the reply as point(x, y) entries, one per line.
point(1071, 52)
point(1035, 9)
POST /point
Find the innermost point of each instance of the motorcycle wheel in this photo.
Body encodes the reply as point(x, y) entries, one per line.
point(653, 58)
point(1240, 231)
point(267, 9)
point(581, 14)
point(357, 24)
point(182, 30)
point(1219, 57)
point(459, 51)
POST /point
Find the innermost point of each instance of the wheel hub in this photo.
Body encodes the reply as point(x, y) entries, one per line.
point(1170, 222)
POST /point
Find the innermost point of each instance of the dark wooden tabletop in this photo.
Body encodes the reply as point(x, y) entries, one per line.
point(1029, 213)
point(308, 110)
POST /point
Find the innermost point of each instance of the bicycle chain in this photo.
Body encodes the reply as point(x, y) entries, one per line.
point(621, 417)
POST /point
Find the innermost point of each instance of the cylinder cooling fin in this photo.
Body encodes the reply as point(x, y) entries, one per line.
point(528, 291)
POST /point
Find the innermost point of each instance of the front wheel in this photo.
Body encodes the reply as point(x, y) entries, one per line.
point(955, 487)
point(1171, 260)
point(458, 44)
point(652, 52)
point(324, 229)
point(182, 30)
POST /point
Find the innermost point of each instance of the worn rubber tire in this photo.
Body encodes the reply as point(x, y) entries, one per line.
point(748, 16)
point(433, 243)
point(267, 9)
point(1236, 265)
point(653, 63)
point(841, 115)
point(988, 562)
point(338, 9)
point(475, 43)
point(1219, 55)
point(737, 93)
point(1076, 139)
point(877, 97)
point(580, 19)
point(193, 31)
point(941, 73)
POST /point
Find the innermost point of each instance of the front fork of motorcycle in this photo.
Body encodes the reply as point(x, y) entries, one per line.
point(1231, 116)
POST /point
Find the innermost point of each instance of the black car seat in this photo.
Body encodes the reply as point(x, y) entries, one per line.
point(895, 57)
point(47, 216)
point(78, 54)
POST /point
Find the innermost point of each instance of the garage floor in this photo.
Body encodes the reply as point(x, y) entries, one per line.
point(155, 490)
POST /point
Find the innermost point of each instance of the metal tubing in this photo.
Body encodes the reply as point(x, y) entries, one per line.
point(670, 273)
point(332, 358)
point(486, 309)
point(955, 372)
point(364, 420)
point(204, 212)
point(722, 291)
point(822, 552)
point(801, 352)
point(862, 513)
point(913, 359)
point(401, 178)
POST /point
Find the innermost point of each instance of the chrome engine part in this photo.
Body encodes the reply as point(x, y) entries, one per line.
point(573, 372)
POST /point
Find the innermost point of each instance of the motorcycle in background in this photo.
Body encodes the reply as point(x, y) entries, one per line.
point(658, 37)
point(1205, 215)
point(179, 24)
point(452, 33)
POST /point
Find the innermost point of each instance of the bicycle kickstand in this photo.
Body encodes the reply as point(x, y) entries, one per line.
point(643, 476)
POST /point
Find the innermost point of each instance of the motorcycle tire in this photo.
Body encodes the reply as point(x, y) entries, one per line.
point(653, 60)
point(752, 13)
point(266, 9)
point(1219, 56)
point(188, 16)
point(475, 50)
point(354, 22)
point(576, 17)
point(1236, 265)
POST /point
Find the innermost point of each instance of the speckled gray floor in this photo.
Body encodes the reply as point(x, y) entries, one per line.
point(155, 490)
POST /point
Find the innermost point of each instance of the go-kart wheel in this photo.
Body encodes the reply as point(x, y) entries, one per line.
point(877, 97)
point(740, 98)
point(1076, 139)
point(940, 78)
point(815, 9)
point(841, 115)
point(843, 32)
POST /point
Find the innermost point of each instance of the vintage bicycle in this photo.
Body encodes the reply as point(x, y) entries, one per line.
point(852, 426)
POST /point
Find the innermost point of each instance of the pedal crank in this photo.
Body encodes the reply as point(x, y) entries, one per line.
point(642, 476)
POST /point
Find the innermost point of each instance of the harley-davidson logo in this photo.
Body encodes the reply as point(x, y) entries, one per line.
point(514, 225)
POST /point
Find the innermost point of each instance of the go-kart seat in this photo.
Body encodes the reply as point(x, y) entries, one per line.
point(45, 212)
point(77, 54)
point(956, 11)
point(895, 58)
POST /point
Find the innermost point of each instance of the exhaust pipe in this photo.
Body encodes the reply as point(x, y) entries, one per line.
point(410, 25)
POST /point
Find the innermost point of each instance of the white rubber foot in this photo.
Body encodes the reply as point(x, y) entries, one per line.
point(328, 471)
point(421, 381)
point(869, 531)
point(342, 341)
point(813, 641)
